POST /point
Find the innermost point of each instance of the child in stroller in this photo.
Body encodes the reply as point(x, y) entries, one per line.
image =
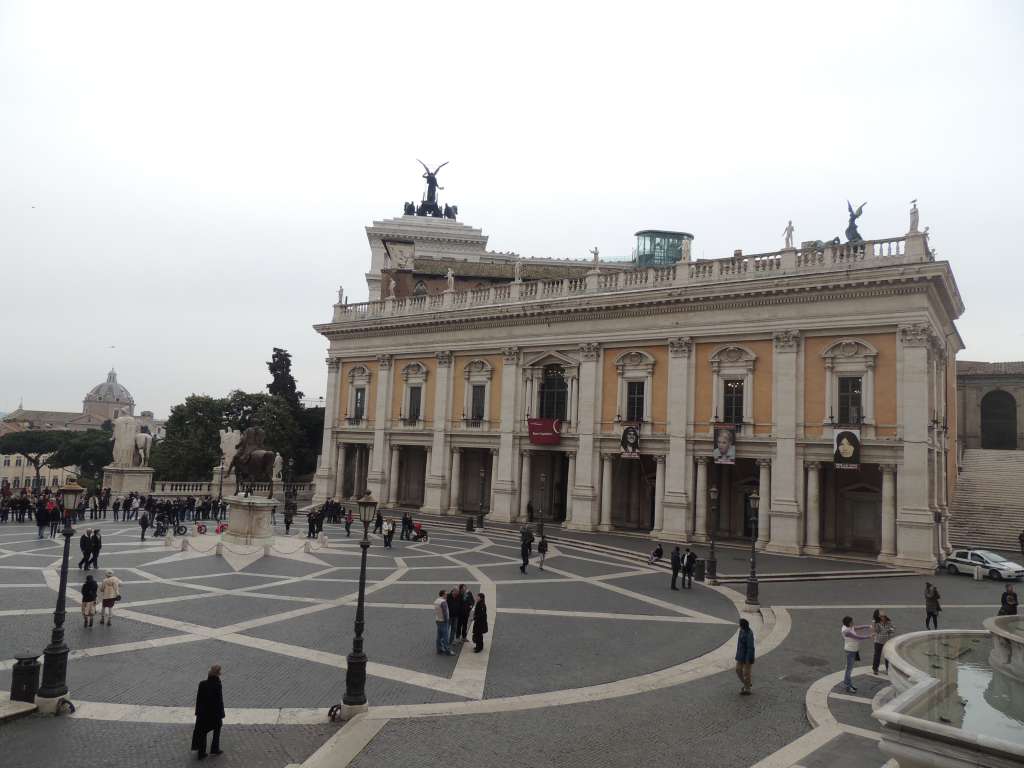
point(419, 533)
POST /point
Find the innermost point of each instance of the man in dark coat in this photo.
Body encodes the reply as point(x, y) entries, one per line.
point(85, 544)
point(689, 564)
point(479, 623)
point(209, 713)
point(677, 564)
point(95, 545)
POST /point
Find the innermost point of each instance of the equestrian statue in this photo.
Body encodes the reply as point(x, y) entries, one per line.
point(251, 462)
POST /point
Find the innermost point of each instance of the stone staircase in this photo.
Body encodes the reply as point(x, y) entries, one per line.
point(987, 509)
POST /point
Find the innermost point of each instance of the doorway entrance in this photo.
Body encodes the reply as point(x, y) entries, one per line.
point(999, 421)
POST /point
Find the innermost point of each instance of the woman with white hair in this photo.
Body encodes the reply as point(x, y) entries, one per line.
point(110, 592)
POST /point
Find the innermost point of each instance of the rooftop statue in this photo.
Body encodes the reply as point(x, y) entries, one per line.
point(431, 177)
point(596, 253)
point(788, 234)
point(852, 235)
point(914, 215)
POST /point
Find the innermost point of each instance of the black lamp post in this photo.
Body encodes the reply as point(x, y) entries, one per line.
point(752, 601)
point(355, 675)
point(712, 567)
point(55, 655)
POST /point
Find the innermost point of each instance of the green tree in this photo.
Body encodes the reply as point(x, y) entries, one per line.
point(282, 382)
point(191, 445)
point(34, 445)
point(90, 451)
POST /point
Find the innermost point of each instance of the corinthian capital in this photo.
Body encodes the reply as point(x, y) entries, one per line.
point(680, 346)
point(916, 335)
point(786, 341)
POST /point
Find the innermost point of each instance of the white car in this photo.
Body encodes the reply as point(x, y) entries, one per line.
point(992, 565)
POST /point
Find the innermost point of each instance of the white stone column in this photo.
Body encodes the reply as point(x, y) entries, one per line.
point(375, 474)
point(700, 527)
point(813, 545)
point(455, 505)
point(491, 494)
point(503, 467)
point(784, 509)
point(915, 522)
point(606, 492)
point(570, 481)
point(433, 481)
point(888, 511)
point(677, 503)
point(659, 494)
point(339, 475)
point(524, 485)
point(393, 476)
point(764, 509)
point(584, 491)
point(325, 478)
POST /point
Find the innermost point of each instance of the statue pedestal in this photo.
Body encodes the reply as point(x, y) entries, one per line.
point(123, 480)
point(249, 520)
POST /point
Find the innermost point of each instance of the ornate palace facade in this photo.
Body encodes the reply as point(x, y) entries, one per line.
point(661, 399)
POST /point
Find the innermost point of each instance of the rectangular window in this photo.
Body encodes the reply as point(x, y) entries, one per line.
point(635, 401)
point(732, 401)
point(477, 406)
point(850, 396)
point(7, 461)
point(359, 408)
point(414, 403)
point(17, 462)
point(17, 482)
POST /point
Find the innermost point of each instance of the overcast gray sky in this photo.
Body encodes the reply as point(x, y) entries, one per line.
point(188, 182)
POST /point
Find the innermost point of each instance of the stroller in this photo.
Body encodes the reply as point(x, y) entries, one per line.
point(419, 533)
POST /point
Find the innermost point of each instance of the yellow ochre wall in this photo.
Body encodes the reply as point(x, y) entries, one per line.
point(398, 385)
point(885, 382)
point(703, 396)
point(459, 364)
point(343, 385)
point(659, 395)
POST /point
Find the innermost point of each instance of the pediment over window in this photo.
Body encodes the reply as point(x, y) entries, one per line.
point(359, 373)
point(844, 349)
point(733, 354)
point(414, 371)
point(552, 357)
point(478, 369)
point(634, 360)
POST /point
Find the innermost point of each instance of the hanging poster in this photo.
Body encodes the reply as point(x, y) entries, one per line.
point(846, 448)
point(545, 431)
point(724, 451)
point(630, 442)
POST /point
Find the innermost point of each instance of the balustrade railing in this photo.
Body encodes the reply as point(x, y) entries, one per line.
point(815, 257)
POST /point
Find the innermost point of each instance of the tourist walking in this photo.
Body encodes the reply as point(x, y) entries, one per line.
point(96, 544)
point(41, 520)
point(931, 606)
point(110, 593)
point(89, 591)
point(524, 552)
point(389, 532)
point(1008, 602)
point(882, 631)
point(378, 522)
point(465, 611)
point(689, 564)
point(852, 635)
point(85, 544)
point(117, 507)
point(53, 515)
point(311, 524)
point(479, 623)
point(454, 609)
point(348, 523)
point(1020, 540)
point(288, 517)
point(677, 565)
point(406, 525)
point(744, 656)
point(542, 550)
point(144, 524)
point(441, 616)
point(209, 713)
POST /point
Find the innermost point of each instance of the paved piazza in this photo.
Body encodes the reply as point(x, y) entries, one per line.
point(592, 661)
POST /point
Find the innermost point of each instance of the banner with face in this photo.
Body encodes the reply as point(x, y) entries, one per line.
point(630, 442)
point(846, 448)
point(724, 450)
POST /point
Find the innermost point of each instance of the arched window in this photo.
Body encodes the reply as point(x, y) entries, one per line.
point(999, 420)
point(554, 393)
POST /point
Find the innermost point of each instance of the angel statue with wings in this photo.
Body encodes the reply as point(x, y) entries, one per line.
point(852, 235)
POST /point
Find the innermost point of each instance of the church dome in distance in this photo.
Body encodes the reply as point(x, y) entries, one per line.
point(110, 391)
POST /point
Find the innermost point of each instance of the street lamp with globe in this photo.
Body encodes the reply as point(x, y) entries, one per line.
point(752, 587)
point(354, 699)
point(55, 656)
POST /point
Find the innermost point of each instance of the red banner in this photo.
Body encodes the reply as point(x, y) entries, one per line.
point(545, 431)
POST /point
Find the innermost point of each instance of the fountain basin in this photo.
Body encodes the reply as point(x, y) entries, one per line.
point(952, 704)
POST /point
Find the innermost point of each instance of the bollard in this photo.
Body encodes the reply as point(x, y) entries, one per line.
point(220, 549)
point(169, 541)
point(978, 575)
point(184, 545)
point(25, 677)
point(307, 547)
point(700, 570)
point(266, 549)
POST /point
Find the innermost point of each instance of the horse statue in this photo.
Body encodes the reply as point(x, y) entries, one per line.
point(143, 448)
point(251, 462)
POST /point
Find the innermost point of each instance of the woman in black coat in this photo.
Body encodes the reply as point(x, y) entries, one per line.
point(209, 713)
point(479, 623)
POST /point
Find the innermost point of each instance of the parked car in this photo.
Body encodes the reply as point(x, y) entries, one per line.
point(994, 566)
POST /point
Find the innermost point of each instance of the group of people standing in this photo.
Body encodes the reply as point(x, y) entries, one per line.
point(454, 612)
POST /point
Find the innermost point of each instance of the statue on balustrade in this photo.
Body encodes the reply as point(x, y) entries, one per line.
point(788, 234)
point(914, 216)
point(252, 463)
point(450, 277)
point(852, 235)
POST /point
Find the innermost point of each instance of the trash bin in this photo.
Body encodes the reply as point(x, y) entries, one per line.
point(25, 677)
point(699, 569)
point(469, 523)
